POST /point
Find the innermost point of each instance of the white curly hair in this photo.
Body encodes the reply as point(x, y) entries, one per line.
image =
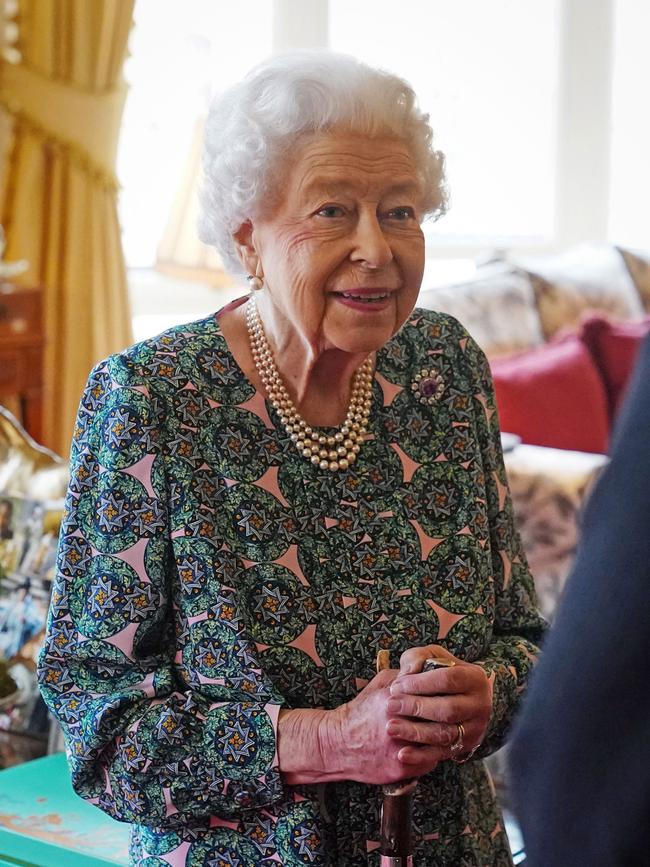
point(252, 127)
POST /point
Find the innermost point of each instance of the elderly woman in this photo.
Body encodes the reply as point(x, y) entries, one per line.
point(262, 500)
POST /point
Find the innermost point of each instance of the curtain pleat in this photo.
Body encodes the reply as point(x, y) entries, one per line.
point(58, 203)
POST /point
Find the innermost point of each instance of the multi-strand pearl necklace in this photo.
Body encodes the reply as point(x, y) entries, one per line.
point(328, 451)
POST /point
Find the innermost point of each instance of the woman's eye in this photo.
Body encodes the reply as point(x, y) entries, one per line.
point(401, 213)
point(330, 211)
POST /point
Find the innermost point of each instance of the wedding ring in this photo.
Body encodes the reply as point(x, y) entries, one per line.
point(457, 746)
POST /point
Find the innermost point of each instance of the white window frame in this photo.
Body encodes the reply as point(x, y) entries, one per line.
point(584, 120)
point(584, 116)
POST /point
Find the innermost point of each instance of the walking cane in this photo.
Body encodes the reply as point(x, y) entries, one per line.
point(396, 822)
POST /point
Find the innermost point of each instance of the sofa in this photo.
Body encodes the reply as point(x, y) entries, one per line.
point(561, 332)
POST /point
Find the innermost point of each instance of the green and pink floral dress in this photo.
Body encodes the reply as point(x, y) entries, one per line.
point(209, 575)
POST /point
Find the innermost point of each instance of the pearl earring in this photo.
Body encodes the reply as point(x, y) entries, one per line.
point(256, 283)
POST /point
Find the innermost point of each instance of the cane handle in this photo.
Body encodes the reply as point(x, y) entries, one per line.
point(382, 661)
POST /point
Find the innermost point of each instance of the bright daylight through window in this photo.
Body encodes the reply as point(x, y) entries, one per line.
point(486, 73)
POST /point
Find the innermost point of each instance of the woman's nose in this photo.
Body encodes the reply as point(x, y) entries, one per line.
point(370, 244)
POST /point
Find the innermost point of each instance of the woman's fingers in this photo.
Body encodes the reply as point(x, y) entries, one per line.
point(460, 678)
point(438, 736)
point(360, 740)
point(402, 725)
point(443, 709)
point(412, 660)
point(426, 707)
point(414, 732)
point(421, 759)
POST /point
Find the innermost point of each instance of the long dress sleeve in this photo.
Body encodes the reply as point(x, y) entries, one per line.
point(155, 732)
point(518, 626)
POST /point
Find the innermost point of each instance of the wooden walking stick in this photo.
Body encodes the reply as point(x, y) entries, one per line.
point(396, 822)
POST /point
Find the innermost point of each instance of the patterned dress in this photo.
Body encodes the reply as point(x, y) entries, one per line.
point(209, 575)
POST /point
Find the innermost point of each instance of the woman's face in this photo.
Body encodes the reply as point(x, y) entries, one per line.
point(342, 251)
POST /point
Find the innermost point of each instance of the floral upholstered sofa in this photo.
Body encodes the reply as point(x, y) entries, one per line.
point(561, 332)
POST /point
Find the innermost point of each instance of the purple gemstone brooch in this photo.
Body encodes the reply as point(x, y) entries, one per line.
point(428, 385)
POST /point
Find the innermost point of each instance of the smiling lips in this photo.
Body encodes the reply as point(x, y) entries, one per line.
point(364, 298)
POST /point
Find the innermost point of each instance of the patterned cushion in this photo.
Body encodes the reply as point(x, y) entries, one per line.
point(587, 277)
point(497, 307)
point(548, 488)
point(638, 264)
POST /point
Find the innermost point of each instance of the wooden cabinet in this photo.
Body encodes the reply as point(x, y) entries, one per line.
point(21, 355)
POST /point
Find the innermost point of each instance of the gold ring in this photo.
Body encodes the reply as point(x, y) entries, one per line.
point(457, 745)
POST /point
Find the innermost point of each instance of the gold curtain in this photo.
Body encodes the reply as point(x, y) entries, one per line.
point(58, 204)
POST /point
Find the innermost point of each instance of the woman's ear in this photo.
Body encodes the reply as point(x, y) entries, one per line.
point(245, 247)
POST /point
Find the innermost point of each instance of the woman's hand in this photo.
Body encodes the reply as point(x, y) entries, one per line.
point(425, 707)
point(369, 751)
point(351, 742)
point(400, 725)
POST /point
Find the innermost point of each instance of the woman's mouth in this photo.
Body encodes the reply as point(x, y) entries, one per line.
point(379, 296)
point(364, 300)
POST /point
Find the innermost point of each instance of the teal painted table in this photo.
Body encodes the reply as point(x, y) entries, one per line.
point(44, 824)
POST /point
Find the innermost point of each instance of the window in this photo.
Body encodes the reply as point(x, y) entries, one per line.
point(630, 143)
point(487, 75)
point(179, 52)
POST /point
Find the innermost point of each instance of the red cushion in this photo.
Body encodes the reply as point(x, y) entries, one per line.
point(614, 347)
point(553, 396)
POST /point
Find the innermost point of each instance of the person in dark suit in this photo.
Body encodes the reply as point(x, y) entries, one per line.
point(581, 750)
